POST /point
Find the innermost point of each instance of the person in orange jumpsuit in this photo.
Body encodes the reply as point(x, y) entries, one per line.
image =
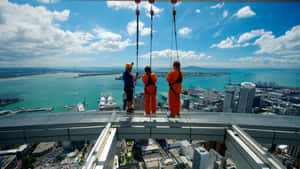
point(174, 78)
point(150, 91)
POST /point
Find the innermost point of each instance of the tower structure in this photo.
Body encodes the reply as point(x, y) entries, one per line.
point(247, 93)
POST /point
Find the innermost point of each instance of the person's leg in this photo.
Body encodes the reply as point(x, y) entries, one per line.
point(124, 104)
point(129, 97)
point(153, 103)
point(172, 102)
point(129, 105)
point(176, 104)
point(147, 103)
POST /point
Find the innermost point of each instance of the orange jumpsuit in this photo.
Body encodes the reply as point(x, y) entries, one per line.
point(150, 93)
point(174, 97)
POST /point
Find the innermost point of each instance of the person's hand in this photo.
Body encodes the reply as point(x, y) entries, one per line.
point(137, 72)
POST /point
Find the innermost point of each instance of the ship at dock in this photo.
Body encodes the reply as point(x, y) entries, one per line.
point(4, 102)
point(106, 102)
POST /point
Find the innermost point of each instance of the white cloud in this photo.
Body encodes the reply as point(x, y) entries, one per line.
point(241, 41)
point(250, 35)
point(289, 43)
point(261, 61)
point(62, 16)
point(165, 54)
point(292, 56)
point(245, 12)
point(104, 34)
point(184, 32)
point(197, 10)
point(28, 32)
point(48, 1)
point(117, 5)
point(227, 43)
point(225, 13)
point(109, 45)
point(219, 5)
point(178, 3)
point(131, 28)
point(218, 33)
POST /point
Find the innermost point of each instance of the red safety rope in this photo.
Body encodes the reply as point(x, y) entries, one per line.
point(137, 33)
point(151, 35)
point(174, 23)
point(174, 19)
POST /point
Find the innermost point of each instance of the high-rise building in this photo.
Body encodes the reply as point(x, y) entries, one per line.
point(186, 103)
point(228, 99)
point(247, 93)
point(294, 151)
point(201, 158)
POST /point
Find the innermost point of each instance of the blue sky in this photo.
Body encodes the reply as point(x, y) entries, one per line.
point(68, 33)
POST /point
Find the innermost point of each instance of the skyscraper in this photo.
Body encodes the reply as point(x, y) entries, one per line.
point(228, 99)
point(201, 158)
point(247, 93)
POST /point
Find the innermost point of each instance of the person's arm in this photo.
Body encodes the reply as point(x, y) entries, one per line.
point(144, 78)
point(154, 78)
point(181, 75)
point(169, 77)
point(136, 76)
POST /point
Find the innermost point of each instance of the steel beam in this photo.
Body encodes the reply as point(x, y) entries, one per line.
point(102, 154)
point(266, 157)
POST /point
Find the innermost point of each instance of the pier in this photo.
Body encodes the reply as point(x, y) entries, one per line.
point(49, 109)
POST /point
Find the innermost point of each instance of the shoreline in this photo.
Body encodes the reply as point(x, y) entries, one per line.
point(43, 74)
point(109, 73)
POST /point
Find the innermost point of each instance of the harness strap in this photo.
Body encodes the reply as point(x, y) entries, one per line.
point(178, 80)
point(149, 83)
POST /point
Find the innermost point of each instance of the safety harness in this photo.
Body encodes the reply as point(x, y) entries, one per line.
point(149, 83)
point(178, 80)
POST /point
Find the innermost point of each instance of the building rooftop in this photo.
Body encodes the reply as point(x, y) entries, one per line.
point(43, 147)
point(248, 85)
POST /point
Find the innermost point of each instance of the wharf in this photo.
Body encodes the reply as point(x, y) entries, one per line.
point(190, 98)
point(49, 109)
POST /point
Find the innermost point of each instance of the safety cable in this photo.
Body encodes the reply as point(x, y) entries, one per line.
point(171, 48)
point(151, 36)
point(137, 37)
point(174, 19)
point(137, 43)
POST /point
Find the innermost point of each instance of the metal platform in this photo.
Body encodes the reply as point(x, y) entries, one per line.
point(31, 128)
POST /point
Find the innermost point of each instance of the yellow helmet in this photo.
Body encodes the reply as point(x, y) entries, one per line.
point(128, 66)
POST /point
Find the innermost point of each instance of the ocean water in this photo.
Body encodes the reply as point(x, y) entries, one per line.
point(58, 90)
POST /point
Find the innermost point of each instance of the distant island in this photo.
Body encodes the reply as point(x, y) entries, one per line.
point(186, 74)
point(6, 73)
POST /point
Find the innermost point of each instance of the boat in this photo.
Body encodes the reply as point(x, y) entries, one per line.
point(80, 107)
point(106, 102)
point(4, 102)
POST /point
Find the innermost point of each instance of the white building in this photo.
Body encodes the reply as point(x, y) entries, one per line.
point(247, 93)
point(201, 158)
point(228, 99)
